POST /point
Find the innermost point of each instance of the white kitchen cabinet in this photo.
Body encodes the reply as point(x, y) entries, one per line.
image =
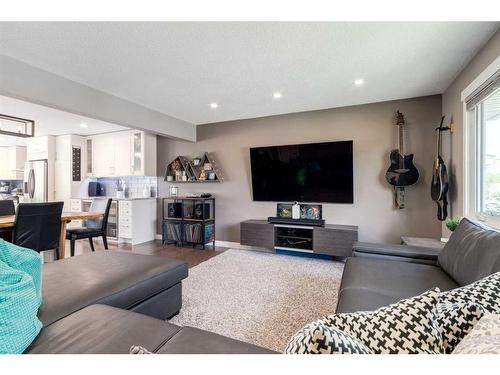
point(143, 152)
point(12, 161)
point(122, 156)
point(137, 220)
point(126, 153)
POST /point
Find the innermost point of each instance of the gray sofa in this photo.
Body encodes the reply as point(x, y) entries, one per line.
point(378, 275)
point(107, 301)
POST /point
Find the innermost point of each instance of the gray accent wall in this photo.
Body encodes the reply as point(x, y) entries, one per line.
point(373, 130)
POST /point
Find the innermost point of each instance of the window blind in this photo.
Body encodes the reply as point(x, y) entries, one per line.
point(483, 91)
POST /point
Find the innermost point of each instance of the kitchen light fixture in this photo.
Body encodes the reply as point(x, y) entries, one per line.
point(277, 95)
point(17, 126)
point(359, 81)
point(213, 105)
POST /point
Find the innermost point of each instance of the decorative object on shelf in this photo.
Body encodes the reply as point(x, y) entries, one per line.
point(296, 210)
point(402, 172)
point(17, 126)
point(311, 211)
point(199, 169)
point(439, 184)
point(173, 190)
point(452, 223)
point(284, 210)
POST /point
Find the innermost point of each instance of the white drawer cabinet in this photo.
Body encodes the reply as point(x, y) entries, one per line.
point(137, 220)
point(75, 205)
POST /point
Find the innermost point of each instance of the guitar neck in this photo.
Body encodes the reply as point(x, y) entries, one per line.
point(401, 140)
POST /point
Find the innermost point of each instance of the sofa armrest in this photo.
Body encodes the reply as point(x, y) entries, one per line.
point(405, 253)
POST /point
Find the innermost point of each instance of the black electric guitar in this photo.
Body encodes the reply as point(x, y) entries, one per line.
point(439, 185)
point(402, 172)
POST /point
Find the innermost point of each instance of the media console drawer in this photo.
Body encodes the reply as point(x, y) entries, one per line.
point(257, 233)
point(335, 240)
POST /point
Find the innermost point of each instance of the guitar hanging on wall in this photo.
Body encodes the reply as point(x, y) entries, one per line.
point(402, 172)
point(439, 184)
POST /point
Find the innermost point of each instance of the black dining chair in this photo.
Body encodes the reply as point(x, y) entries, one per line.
point(38, 226)
point(7, 208)
point(92, 228)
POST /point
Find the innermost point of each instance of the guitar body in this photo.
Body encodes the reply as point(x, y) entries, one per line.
point(400, 177)
point(439, 188)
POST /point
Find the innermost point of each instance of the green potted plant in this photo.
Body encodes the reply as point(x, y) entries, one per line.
point(452, 223)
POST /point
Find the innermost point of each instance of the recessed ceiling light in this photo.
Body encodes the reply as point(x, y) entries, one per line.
point(277, 95)
point(213, 105)
point(359, 81)
point(83, 125)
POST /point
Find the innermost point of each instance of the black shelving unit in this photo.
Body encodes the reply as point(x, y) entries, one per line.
point(188, 221)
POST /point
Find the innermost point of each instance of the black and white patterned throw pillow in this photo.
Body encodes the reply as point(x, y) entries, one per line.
point(456, 321)
point(484, 292)
point(409, 326)
point(317, 338)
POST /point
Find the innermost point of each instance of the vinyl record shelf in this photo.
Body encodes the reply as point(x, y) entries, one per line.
point(188, 221)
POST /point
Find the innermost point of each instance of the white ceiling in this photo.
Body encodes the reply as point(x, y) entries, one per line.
point(50, 121)
point(180, 68)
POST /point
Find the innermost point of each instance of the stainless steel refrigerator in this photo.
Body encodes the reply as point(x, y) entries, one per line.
point(36, 181)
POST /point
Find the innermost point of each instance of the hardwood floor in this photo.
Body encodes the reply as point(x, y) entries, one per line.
point(193, 256)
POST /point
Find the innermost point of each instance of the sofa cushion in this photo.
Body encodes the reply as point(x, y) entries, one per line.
point(456, 321)
point(484, 293)
point(102, 329)
point(191, 340)
point(483, 339)
point(408, 326)
point(320, 338)
point(113, 278)
point(472, 252)
point(368, 284)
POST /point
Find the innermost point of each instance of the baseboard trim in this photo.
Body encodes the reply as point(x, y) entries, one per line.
point(230, 244)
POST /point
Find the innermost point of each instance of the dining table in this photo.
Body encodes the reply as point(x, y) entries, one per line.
point(9, 221)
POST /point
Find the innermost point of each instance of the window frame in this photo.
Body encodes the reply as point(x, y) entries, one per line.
point(472, 150)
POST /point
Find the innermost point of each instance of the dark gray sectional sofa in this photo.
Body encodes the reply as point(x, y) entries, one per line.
point(107, 301)
point(378, 275)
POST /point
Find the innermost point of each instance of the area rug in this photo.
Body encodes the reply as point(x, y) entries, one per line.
point(257, 297)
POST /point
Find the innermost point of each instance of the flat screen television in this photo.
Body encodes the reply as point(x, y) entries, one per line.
point(313, 172)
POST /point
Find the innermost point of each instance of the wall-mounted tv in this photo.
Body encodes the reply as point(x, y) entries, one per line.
point(313, 172)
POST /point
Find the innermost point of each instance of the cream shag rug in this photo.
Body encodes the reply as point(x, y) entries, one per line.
point(259, 298)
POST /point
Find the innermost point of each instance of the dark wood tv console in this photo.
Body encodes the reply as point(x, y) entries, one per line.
point(336, 240)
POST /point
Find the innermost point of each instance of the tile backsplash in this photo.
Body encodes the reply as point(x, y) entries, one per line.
point(134, 185)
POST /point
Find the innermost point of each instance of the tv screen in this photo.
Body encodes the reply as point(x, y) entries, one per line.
point(314, 172)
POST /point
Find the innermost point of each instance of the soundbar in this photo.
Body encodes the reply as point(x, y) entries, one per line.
point(286, 220)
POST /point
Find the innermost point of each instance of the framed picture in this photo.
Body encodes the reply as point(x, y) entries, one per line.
point(284, 210)
point(311, 211)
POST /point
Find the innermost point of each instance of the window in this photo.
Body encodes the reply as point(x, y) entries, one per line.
point(482, 168)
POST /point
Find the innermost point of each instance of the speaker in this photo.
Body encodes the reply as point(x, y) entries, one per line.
point(199, 213)
point(174, 210)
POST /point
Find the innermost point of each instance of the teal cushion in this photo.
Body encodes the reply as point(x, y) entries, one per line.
point(26, 260)
point(20, 297)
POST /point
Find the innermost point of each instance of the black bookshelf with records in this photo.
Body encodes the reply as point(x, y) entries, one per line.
point(189, 221)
